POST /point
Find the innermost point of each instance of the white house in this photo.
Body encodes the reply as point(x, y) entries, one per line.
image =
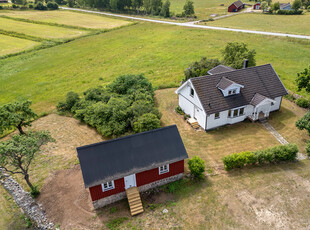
point(232, 96)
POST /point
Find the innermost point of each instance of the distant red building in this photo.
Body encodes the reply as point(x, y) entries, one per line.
point(236, 6)
point(257, 6)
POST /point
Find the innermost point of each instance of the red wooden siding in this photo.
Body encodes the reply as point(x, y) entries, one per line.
point(142, 178)
point(233, 8)
point(152, 175)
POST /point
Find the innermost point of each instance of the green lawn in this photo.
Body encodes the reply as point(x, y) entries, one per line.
point(161, 52)
point(10, 45)
point(68, 18)
point(292, 24)
point(42, 31)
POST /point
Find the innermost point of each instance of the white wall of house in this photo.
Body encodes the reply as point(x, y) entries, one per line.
point(191, 104)
point(223, 119)
point(276, 106)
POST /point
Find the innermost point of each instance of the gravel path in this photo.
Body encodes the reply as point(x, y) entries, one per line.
point(192, 25)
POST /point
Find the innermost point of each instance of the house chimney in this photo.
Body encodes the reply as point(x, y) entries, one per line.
point(245, 63)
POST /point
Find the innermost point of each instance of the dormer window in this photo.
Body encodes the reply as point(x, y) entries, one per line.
point(192, 92)
point(229, 87)
point(231, 92)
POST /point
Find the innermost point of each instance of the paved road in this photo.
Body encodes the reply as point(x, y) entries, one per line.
point(193, 26)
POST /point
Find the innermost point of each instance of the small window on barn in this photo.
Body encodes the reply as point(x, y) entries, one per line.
point(217, 115)
point(163, 169)
point(192, 92)
point(107, 186)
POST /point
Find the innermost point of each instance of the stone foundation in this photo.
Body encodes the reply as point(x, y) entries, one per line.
point(111, 199)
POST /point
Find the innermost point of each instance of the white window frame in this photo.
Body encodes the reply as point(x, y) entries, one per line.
point(110, 186)
point(238, 113)
point(163, 169)
point(217, 117)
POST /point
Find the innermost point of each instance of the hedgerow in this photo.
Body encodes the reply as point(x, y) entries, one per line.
point(268, 156)
point(125, 105)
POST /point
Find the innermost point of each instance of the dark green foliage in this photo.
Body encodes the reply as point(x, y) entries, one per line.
point(146, 122)
point(303, 102)
point(197, 167)
point(201, 68)
point(235, 53)
point(276, 154)
point(189, 8)
point(304, 123)
point(174, 186)
point(179, 110)
point(52, 5)
point(35, 191)
point(186, 116)
point(165, 10)
point(40, 6)
point(275, 6)
point(308, 148)
point(125, 105)
point(15, 6)
point(115, 223)
point(303, 80)
point(30, 6)
point(113, 210)
point(71, 3)
point(296, 5)
point(16, 115)
point(289, 12)
point(71, 99)
point(17, 153)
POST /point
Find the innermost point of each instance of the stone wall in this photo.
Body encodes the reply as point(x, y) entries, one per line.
point(111, 199)
point(32, 209)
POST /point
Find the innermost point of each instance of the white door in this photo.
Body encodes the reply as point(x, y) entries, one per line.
point(130, 181)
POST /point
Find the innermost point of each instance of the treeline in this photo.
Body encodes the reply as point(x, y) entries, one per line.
point(151, 7)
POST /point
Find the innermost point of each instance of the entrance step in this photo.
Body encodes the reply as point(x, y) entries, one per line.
point(134, 201)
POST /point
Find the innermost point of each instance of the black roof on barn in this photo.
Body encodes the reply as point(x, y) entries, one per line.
point(114, 159)
point(259, 79)
point(237, 4)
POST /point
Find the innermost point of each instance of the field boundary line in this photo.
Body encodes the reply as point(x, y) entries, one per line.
point(193, 26)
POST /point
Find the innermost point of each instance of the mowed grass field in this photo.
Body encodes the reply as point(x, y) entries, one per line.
point(160, 52)
point(68, 18)
point(291, 24)
point(10, 45)
point(37, 30)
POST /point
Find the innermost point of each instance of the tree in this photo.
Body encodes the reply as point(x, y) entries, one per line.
point(189, 8)
point(146, 122)
point(235, 53)
point(165, 10)
point(303, 80)
point(16, 115)
point(296, 5)
point(264, 6)
point(196, 166)
point(17, 153)
point(137, 4)
point(269, 2)
point(71, 99)
point(275, 6)
point(201, 68)
point(304, 123)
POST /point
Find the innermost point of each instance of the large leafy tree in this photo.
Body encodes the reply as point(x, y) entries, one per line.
point(296, 4)
point(17, 153)
point(235, 53)
point(303, 80)
point(201, 68)
point(16, 115)
point(189, 8)
point(165, 10)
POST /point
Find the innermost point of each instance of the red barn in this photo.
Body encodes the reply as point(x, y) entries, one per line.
point(236, 6)
point(128, 165)
point(257, 6)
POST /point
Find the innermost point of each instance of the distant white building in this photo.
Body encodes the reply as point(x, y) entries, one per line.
point(230, 96)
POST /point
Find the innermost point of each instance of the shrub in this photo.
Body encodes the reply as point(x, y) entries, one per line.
point(289, 12)
point(30, 6)
point(276, 154)
point(308, 148)
point(40, 6)
point(71, 99)
point(200, 68)
point(186, 116)
point(179, 110)
point(196, 166)
point(35, 191)
point(304, 123)
point(15, 6)
point(146, 122)
point(303, 102)
point(52, 5)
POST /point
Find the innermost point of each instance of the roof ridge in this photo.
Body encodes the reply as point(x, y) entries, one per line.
point(252, 67)
point(125, 137)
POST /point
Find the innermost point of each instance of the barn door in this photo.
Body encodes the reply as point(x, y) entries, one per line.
point(130, 181)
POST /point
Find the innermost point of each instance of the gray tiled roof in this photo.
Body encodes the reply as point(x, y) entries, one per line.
point(224, 83)
point(238, 3)
point(257, 98)
point(114, 159)
point(259, 79)
point(220, 69)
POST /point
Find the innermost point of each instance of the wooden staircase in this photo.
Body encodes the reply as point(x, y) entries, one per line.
point(134, 200)
point(193, 122)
